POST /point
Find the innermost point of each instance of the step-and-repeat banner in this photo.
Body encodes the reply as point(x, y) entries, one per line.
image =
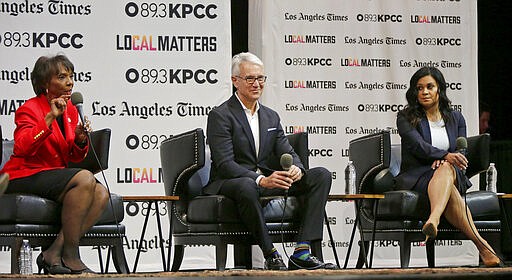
point(146, 69)
point(339, 69)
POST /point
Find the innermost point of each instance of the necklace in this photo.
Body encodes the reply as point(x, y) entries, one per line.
point(434, 117)
point(439, 123)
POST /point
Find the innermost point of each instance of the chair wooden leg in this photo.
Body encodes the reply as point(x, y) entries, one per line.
point(363, 253)
point(495, 242)
point(15, 254)
point(221, 254)
point(331, 241)
point(179, 250)
point(431, 253)
point(107, 262)
point(405, 252)
point(119, 258)
point(243, 255)
point(100, 259)
point(14, 261)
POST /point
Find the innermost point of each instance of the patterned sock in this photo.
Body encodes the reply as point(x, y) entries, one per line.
point(302, 250)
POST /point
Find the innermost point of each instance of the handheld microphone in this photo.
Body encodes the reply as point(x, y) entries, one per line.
point(77, 99)
point(286, 162)
point(462, 146)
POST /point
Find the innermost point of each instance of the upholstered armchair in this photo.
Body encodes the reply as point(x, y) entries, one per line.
point(213, 219)
point(401, 214)
point(38, 220)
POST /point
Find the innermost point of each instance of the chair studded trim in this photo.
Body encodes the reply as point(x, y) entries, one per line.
point(186, 169)
point(104, 235)
point(14, 234)
point(272, 232)
point(194, 164)
point(381, 137)
point(237, 233)
point(378, 166)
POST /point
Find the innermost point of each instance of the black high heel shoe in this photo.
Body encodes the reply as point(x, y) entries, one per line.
point(42, 265)
point(430, 231)
point(83, 270)
point(79, 271)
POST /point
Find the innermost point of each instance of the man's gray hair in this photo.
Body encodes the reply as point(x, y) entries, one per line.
point(243, 57)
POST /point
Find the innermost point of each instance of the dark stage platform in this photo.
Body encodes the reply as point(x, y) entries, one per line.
point(411, 273)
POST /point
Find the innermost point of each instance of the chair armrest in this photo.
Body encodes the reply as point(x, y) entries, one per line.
point(299, 142)
point(477, 154)
point(383, 181)
point(181, 156)
point(100, 142)
point(370, 154)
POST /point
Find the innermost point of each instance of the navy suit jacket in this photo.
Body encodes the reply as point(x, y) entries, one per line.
point(232, 147)
point(418, 154)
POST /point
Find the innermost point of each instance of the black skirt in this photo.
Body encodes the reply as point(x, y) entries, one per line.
point(47, 184)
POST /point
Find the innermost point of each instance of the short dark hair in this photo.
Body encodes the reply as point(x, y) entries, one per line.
point(45, 68)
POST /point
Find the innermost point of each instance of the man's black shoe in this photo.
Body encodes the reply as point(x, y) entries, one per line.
point(330, 266)
point(274, 262)
point(310, 263)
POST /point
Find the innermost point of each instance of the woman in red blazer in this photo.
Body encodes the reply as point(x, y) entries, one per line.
point(48, 135)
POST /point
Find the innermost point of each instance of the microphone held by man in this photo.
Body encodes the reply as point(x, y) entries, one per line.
point(286, 162)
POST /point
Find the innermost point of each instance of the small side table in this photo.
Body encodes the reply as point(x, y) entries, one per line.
point(357, 198)
point(151, 200)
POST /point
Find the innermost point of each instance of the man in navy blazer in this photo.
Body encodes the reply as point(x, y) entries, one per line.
point(243, 135)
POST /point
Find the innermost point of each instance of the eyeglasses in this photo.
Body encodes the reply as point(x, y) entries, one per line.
point(250, 79)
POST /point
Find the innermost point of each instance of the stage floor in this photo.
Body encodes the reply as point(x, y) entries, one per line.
point(476, 273)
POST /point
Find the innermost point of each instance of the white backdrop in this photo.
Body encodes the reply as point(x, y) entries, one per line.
point(134, 60)
point(339, 69)
point(146, 69)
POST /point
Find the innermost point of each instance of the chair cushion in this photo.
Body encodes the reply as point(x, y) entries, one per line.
point(220, 209)
point(110, 216)
point(484, 205)
point(273, 209)
point(212, 209)
point(405, 204)
point(30, 209)
point(39, 230)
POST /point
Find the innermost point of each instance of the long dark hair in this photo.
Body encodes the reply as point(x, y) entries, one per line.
point(413, 110)
point(45, 68)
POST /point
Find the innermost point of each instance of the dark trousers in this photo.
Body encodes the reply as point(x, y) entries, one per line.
point(314, 187)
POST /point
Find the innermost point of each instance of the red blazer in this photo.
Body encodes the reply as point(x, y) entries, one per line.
point(38, 147)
